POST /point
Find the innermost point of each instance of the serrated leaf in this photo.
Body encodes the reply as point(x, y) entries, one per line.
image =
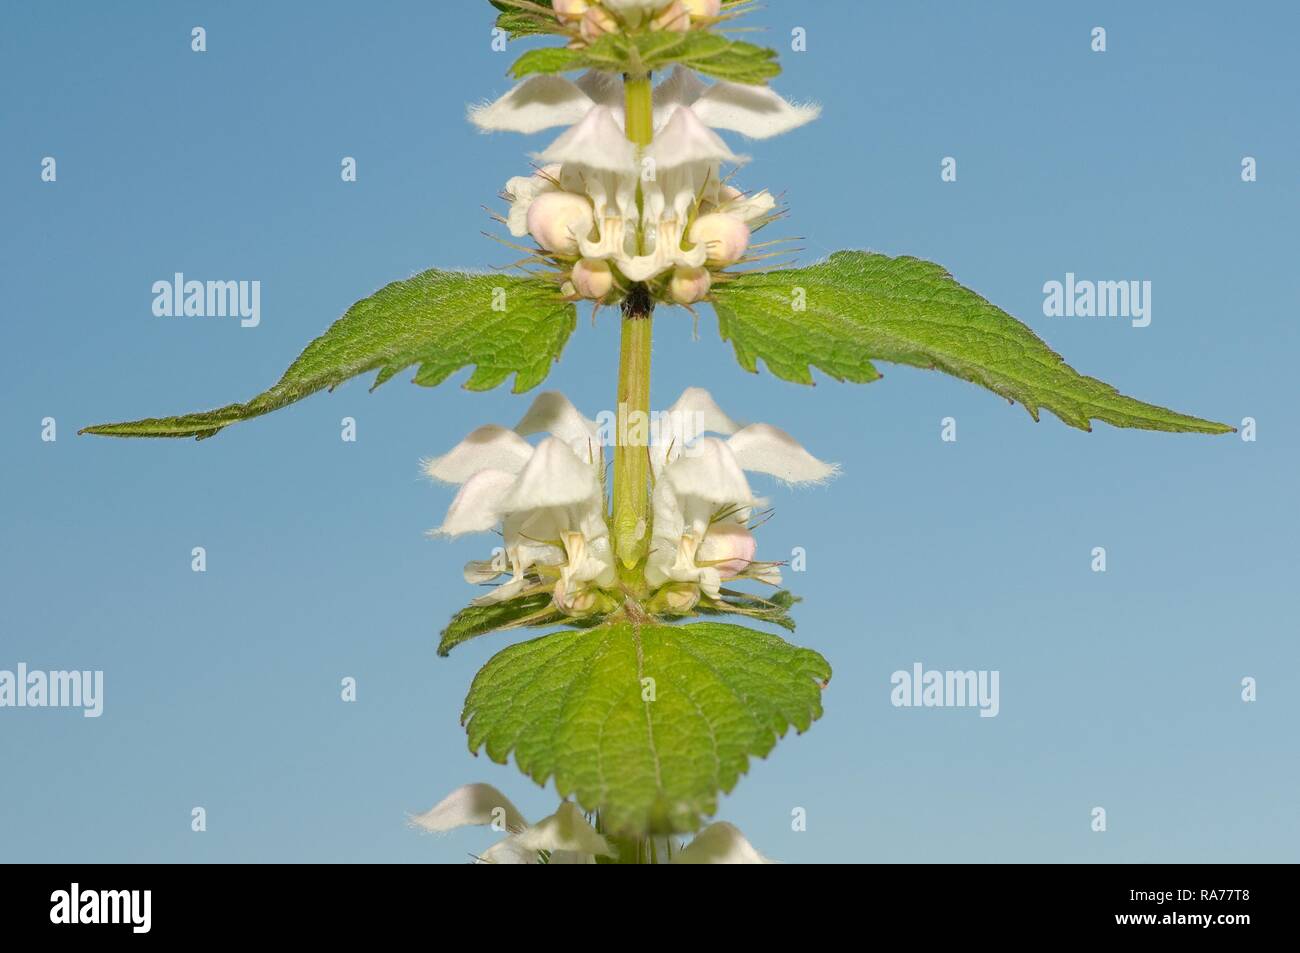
point(862, 307)
point(570, 706)
point(523, 19)
point(548, 59)
point(440, 320)
point(473, 621)
point(709, 53)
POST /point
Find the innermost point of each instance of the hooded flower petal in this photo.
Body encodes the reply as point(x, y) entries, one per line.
point(565, 830)
point(694, 414)
point(473, 804)
point(605, 89)
point(762, 448)
point(685, 139)
point(697, 485)
point(753, 111)
point(539, 102)
point(553, 413)
point(720, 843)
point(597, 143)
point(554, 478)
point(478, 506)
point(508, 851)
point(487, 448)
point(757, 112)
point(681, 88)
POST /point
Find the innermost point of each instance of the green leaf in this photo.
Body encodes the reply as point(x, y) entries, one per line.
point(440, 320)
point(862, 307)
point(548, 59)
point(571, 706)
point(522, 19)
point(710, 53)
point(474, 621)
point(774, 609)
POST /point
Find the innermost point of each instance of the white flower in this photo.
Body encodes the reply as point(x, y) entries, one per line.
point(547, 101)
point(720, 843)
point(563, 838)
point(702, 501)
point(549, 500)
point(566, 837)
point(678, 172)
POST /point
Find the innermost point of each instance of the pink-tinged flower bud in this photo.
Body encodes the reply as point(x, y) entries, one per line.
point(559, 219)
point(593, 278)
point(568, 10)
point(676, 18)
point(596, 22)
point(724, 237)
point(703, 9)
point(729, 548)
point(689, 285)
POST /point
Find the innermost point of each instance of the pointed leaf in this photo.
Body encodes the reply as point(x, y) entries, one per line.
point(709, 53)
point(649, 756)
point(439, 320)
point(524, 18)
point(473, 621)
point(862, 307)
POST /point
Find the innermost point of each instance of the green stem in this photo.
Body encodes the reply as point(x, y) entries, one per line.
point(631, 518)
point(631, 523)
point(639, 101)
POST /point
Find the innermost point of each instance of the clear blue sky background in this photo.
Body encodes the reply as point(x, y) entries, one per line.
point(1119, 690)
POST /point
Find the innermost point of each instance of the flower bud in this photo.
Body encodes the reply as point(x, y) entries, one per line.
point(677, 598)
point(729, 548)
point(592, 278)
point(676, 18)
point(557, 220)
point(725, 237)
point(585, 601)
point(596, 22)
point(567, 10)
point(689, 285)
point(703, 9)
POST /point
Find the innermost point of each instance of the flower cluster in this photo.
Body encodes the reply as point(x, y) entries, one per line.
point(588, 20)
point(567, 837)
point(606, 212)
point(549, 502)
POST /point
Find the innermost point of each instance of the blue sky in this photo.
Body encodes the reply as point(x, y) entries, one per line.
point(1119, 689)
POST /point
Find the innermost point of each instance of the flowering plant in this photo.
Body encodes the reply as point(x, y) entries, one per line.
point(634, 542)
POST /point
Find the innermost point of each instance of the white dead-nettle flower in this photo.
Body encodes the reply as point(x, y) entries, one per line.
point(702, 502)
point(548, 500)
point(678, 172)
point(563, 838)
point(566, 837)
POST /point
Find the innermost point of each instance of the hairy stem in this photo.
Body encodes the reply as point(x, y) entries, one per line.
point(631, 518)
point(631, 523)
